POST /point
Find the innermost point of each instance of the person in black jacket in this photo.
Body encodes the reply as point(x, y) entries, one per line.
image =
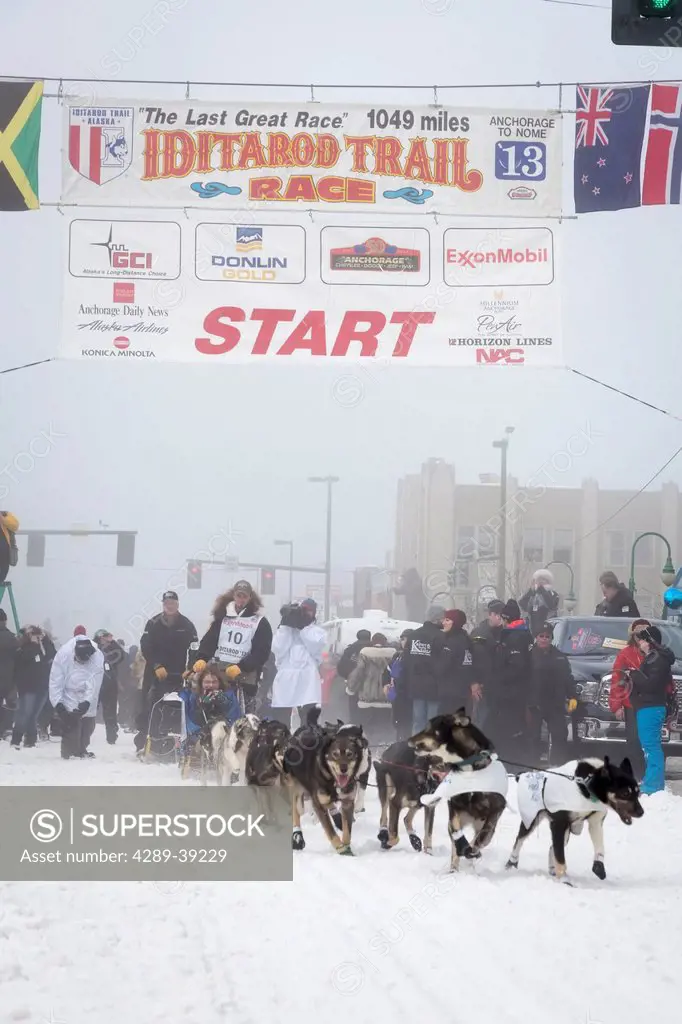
point(240, 636)
point(484, 640)
point(425, 663)
point(457, 685)
point(34, 658)
point(164, 645)
point(508, 688)
point(541, 601)
point(618, 600)
point(552, 694)
point(114, 662)
point(651, 683)
point(8, 648)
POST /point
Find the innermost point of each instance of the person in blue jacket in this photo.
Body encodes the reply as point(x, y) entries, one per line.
point(209, 699)
point(651, 685)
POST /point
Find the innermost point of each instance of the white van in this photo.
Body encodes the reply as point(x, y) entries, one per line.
point(342, 632)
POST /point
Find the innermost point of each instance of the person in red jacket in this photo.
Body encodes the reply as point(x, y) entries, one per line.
point(619, 696)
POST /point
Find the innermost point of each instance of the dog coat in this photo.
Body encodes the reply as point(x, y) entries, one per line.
point(553, 791)
point(492, 779)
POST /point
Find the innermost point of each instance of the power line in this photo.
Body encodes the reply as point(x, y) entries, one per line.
point(632, 498)
point(25, 366)
point(625, 394)
point(327, 85)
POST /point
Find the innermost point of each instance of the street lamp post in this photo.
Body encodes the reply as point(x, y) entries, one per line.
point(329, 481)
point(503, 445)
point(570, 602)
point(668, 570)
point(290, 545)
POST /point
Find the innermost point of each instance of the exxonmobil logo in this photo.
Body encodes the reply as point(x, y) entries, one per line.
point(504, 356)
point(470, 258)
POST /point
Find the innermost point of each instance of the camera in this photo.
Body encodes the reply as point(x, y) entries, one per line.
point(294, 616)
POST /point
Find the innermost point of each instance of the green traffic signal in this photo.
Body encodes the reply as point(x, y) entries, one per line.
point(658, 8)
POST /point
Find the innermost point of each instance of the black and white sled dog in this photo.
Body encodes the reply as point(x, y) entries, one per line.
point(579, 792)
point(324, 764)
point(363, 775)
point(230, 744)
point(455, 740)
point(403, 777)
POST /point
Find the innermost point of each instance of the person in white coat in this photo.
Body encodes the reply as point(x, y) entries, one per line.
point(75, 681)
point(297, 646)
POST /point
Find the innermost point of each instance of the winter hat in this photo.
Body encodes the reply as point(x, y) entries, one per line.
point(435, 614)
point(100, 633)
point(363, 634)
point(379, 640)
point(80, 631)
point(511, 610)
point(456, 617)
point(496, 607)
point(609, 579)
point(309, 603)
point(546, 630)
point(652, 634)
point(635, 623)
point(243, 587)
point(543, 576)
point(84, 650)
point(169, 595)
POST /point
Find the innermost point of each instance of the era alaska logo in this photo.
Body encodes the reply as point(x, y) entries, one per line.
point(100, 142)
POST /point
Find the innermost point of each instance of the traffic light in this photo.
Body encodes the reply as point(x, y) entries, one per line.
point(194, 574)
point(125, 549)
point(646, 23)
point(35, 550)
point(267, 580)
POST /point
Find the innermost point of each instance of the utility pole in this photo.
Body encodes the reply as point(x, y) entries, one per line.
point(329, 481)
point(503, 445)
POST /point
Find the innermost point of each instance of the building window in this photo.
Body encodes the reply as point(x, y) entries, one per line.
point(644, 552)
point(615, 549)
point(466, 542)
point(461, 575)
point(533, 544)
point(563, 546)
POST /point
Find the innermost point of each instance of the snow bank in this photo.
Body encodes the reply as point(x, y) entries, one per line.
point(383, 936)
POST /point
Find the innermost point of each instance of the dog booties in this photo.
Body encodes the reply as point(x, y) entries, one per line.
point(491, 779)
point(553, 791)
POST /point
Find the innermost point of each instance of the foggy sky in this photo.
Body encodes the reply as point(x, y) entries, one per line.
point(143, 447)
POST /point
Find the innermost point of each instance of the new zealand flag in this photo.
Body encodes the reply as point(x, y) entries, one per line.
point(610, 129)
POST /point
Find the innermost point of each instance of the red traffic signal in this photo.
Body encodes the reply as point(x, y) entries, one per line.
point(194, 574)
point(267, 580)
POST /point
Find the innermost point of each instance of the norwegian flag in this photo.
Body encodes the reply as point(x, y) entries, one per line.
point(592, 115)
point(662, 179)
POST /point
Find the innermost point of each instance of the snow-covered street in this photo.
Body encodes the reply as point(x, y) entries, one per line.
point(381, 934)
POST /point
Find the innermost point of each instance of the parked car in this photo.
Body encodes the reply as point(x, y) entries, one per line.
point(591, 645)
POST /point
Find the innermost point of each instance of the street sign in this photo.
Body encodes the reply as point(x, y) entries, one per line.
point(232, 563)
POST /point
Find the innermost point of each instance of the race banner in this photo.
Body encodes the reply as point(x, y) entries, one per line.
point(313, 156)
point(258, 291)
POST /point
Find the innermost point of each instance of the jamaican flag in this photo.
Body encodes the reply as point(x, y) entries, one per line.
point(20, 111)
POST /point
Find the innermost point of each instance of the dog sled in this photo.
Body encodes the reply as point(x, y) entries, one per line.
point(166, 730)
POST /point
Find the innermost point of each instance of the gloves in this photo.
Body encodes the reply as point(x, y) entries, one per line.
point(199, 666)
point(61, 710)
point(83, 707)
point(160, 673)
point(232, 672)
point(572, 704)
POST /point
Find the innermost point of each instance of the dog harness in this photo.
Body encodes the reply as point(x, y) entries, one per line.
point(552, 791)
point(459, 781)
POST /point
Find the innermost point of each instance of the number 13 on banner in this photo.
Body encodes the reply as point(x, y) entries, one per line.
point(520, 161)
